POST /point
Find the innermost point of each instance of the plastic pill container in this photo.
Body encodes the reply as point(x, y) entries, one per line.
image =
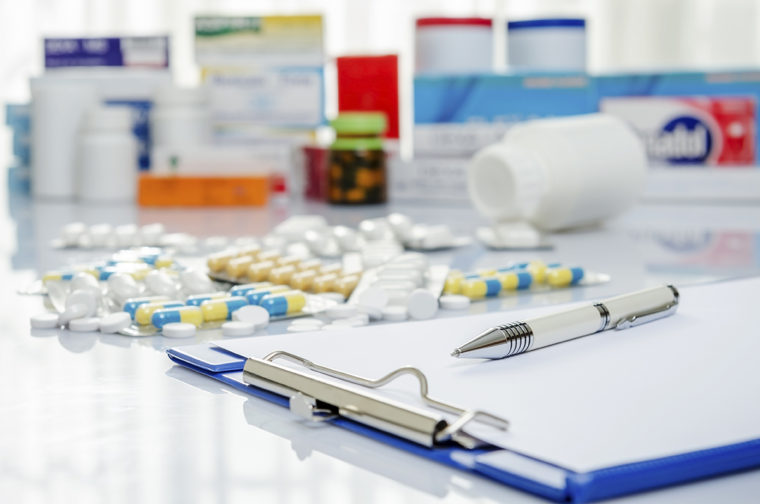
point(180, 117)
point(559, 173)
point(556, 44)
point(453, 45)
point(107, 163)
point(356, 167)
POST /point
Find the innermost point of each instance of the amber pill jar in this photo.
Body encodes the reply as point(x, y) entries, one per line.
point(356, 168)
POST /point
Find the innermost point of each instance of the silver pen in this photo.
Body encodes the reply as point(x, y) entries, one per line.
point(615, 313)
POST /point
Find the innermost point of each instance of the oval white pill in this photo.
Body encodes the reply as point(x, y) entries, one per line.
point(422, 304)
point(454, 302)
point(308, 321)
point(373, 312)
point(395, 313)
point(86, 297)
point(115, 322)
point(333, 296)
point(256, 315)
point(238, 328)
point(73, 312)
point(374, 297)
point(88, 324)
point(178, 330)
point(341, 311)
point(122, 286)
point(84, 280)
point(45, 321)
point(303, 328)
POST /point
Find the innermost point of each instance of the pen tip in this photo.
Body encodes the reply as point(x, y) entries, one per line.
point(455, 353)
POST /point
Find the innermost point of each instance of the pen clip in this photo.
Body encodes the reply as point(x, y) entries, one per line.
point(650, 315)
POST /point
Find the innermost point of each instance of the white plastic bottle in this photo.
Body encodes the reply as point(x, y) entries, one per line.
point(180, 117)
point(107, 168)
point(559, 173)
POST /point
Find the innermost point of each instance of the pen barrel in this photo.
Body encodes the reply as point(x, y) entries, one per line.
point(566, 325)
point(637, 304)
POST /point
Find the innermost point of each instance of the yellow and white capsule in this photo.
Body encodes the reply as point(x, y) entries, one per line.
point(346, 285)
point(217, 262)
point(284, 303)
point(144, 313)
point(221, 309)
point(163, 262)
point(238, 266)
point(281, 275)
point(303, 280)
point(258, 272)
point(186, 314)
point(309, 265)
point(324, 283)
point(290, 260)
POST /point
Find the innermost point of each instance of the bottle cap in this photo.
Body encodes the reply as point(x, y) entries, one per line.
point(359, 123)
point(505, 182)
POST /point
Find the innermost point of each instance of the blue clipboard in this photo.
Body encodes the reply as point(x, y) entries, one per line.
point(538, 477)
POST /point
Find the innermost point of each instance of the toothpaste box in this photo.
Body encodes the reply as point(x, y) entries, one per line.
point(691, 130)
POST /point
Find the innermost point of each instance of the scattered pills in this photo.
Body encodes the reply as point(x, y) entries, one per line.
point(178, 330)
point(44, 321)
point(253, 314)
point(238, 328)
point(422, 304)
point(454, 302)
point(87, 324)
point(115, 322)
point(395, 313)
point(341, 311)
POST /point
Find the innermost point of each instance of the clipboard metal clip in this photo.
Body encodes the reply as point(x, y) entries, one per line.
point(654, 314)
point(315, 399)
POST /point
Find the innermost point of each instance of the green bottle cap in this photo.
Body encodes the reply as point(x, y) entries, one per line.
point(359, 123)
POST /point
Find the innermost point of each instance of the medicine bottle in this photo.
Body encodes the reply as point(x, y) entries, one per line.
point(356, 167)
point(559, 173)
point(180, 117)
point(107, 168)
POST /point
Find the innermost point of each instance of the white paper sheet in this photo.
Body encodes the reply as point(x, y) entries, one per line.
point(687, 382)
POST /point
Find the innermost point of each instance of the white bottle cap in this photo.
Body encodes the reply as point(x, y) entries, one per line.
point(505, 182)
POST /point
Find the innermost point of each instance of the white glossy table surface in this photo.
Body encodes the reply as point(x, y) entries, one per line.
point(106, 418)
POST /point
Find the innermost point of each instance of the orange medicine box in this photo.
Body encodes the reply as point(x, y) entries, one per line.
point(179, 190)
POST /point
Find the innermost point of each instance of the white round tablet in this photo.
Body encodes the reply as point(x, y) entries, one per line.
point(454, 302)
point(45, 321)
point(303, 328)
point(308, 321)
point(256, 315)
point(178, 330)
point(422, 304)
point(395, 313)
point(373, 312)
point(238, 328)
point(115, 322)
point(374, 297)
point(87, 324)
point(333, 296)
point(341, 311)
point(73, 312)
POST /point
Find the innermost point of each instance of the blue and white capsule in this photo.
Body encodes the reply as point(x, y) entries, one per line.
point(132, 304)
point(284, 303)
point(564, 277)
point(198, 299)
point(186, 314)
point(242, 290)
